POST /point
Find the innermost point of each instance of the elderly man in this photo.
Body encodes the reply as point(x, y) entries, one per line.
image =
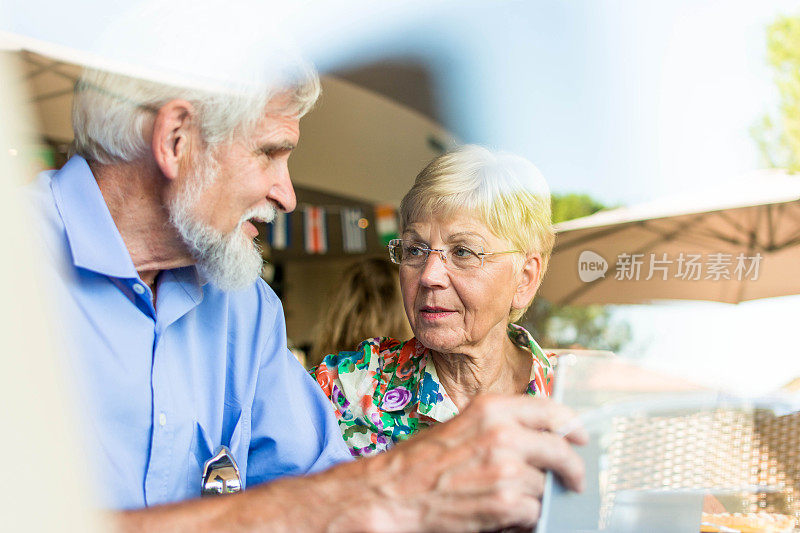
point(178, 347)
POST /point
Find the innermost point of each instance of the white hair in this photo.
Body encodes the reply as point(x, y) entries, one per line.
point(231, 261)
point(110, 111)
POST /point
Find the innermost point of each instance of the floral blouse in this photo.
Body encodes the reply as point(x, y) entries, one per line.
point(387, 390)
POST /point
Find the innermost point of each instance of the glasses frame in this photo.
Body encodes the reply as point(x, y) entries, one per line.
point(442, 253)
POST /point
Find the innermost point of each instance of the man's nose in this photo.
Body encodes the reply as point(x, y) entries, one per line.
point(282, 191)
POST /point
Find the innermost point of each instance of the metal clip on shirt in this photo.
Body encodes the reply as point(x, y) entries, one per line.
point(221, 474)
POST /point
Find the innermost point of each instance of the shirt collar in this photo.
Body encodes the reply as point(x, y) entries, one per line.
point(521, 337)
point(434, 402)
point(94, 240)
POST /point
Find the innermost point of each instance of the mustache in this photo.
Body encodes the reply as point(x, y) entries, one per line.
point(264, 213)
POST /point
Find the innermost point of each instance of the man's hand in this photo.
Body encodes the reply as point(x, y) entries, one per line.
point(483, 470)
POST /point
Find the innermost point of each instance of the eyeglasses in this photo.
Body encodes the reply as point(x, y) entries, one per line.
point(459, 256)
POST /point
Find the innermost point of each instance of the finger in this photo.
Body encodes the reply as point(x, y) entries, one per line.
point(525, 477)
point(496, 495)
point(525, 513)
point(527, 426)
point(503, 471)
point(548, 415)
point(506, 509)
point(547, 451)
point(535, 481)
point(574, 431)
point(509, 444)
point(537, 413)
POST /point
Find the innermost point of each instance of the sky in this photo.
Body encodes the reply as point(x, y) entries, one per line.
point(626, 100)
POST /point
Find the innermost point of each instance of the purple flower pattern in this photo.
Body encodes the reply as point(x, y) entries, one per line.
point(338, 397)
point(375, 418)
point(396, 398)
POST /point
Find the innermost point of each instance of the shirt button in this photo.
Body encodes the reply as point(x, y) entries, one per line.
point(162, 420)
point(138, 288)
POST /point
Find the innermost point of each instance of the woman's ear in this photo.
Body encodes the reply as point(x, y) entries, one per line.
point(174, 133)
point(529, 278)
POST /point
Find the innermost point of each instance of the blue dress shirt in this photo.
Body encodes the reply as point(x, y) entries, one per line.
point(160, 387)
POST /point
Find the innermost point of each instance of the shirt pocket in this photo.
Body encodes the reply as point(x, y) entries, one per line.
point(200, 451)
point(239, 443)
point(235, 435)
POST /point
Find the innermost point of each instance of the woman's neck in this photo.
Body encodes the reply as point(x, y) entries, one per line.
point(497, 366)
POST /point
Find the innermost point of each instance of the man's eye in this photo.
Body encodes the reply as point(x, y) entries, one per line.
point(275, 153)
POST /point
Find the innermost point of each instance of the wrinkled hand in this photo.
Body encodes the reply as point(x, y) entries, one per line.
point(485, 469)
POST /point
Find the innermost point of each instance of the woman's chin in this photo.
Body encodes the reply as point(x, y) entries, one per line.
point(440, 341)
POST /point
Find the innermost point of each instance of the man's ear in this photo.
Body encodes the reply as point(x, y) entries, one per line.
point(174, 133)
point(529, 279)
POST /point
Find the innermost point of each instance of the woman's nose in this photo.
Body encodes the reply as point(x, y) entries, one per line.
point(434, 272)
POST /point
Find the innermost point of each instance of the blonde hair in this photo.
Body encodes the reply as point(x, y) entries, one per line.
point(367, 303)
point(504, 191)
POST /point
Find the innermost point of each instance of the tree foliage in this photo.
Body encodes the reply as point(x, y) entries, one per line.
point(566, 326)
point(569, 206)
point(778, 137)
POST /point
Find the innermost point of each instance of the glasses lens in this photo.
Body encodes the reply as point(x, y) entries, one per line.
point(464, 258)
point(395, 251)
point(413, 254)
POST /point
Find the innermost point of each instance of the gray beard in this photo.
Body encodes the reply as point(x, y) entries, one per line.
point(230, 261)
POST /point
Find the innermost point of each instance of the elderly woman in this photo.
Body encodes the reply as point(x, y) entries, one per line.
point(476, 237)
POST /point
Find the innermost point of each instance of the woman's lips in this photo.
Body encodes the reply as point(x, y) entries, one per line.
point(434, 313)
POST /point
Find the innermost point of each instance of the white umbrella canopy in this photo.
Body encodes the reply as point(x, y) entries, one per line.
point(47, 83)
point(356, 143)
point(730, 245)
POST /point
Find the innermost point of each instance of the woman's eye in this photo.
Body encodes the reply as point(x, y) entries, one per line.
point(414, 250)
point(462, 251)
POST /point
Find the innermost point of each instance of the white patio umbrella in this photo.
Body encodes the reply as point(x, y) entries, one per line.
point(738, 243)
point(356, 143)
